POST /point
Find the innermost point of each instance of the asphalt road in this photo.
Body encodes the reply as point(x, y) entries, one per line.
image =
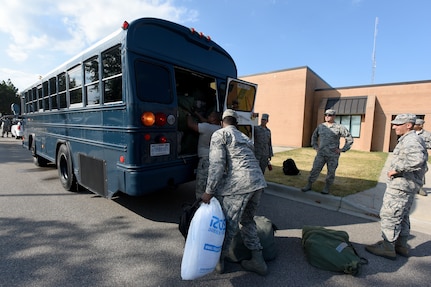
point(51, 237)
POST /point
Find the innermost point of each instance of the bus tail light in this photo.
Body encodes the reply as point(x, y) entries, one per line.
point(147, 137)
point(148, 119)
point(162, 139)
point(122, 159)
point(125, 25)
point(160, 119)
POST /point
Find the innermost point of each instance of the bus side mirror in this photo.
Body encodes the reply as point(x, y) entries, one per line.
point(15, 109)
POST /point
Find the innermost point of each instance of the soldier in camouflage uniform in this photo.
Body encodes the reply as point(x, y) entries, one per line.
point(262, 143)
point(235, 178)
point(405, 175)
point(426, 136)
point(205, 129)
point(326, 140)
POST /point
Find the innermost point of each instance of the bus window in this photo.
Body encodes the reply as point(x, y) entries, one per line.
point(34, 97)
point(153, 83)
point(40, 98)
point(62, 90)
point(53, 93)
point(112, 77)
point(241, 96)
point(75, 86)
point(27, 102)
point(91, 77)
point(45, 96)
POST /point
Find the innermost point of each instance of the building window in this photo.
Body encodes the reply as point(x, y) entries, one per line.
point(351, 122)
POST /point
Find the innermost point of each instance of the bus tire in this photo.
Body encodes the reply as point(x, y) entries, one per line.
point(65, 168)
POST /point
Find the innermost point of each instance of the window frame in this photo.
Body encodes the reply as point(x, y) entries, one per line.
point(352, 126)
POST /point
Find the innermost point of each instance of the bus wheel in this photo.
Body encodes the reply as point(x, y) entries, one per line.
point(65, 168)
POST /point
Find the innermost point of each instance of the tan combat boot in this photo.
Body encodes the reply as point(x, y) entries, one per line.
point(422, 192)
point(383, 248)
point(307, 187)
point(401, 246)
point(256, 263)
point(325, 189)
point(220, 264)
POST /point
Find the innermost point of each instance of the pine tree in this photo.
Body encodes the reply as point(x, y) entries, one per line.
point(8, 96)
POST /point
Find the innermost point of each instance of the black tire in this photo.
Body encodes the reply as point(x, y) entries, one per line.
point(65, 168)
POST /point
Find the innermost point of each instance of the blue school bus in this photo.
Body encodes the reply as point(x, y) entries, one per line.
point(113, 118)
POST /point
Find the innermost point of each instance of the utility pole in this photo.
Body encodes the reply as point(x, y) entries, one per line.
point(374, 51)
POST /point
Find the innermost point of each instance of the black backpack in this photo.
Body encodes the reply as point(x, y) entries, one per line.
point(289, 167)
point(186, 216)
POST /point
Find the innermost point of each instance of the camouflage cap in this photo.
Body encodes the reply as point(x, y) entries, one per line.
point(265, 116)
point(230, 113)
point(330, 112)
point(419, 122)
point(404, 118)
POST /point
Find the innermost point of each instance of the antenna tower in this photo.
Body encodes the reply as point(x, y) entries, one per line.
point(374, 50)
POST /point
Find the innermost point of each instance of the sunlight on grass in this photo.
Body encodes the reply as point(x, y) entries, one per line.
point(357, 171)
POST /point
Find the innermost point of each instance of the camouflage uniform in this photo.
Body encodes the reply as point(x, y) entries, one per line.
point(205, 132)
point(426, 136)
point(410, 161)
point(262, 146)
point(329, 140)
point(235, 178)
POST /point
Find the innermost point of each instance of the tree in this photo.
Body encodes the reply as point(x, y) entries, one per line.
point(8, 96)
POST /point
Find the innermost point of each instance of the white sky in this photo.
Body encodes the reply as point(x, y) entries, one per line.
point(335, 38)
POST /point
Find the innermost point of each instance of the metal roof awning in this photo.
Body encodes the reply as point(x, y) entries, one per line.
point(347, 106)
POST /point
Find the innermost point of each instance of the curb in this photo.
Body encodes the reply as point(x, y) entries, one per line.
point(328, 201)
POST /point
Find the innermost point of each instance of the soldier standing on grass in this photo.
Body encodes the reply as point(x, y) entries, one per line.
point(407, 169)
point(263, 143)
point(426, 136)
point(326, 140)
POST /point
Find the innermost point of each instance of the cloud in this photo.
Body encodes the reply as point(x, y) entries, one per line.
point(41, 34)
point(69, 26)
point(19, 78)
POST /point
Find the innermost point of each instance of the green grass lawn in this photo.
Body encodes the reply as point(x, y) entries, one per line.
point(357, 171)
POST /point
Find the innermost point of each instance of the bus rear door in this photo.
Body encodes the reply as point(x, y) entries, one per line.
point(241, 97)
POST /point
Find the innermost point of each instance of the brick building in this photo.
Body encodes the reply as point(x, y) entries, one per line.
point(297, 98)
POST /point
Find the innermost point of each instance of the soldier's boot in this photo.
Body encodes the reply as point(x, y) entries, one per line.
point(220, 264)
point(383, 248)
point(325, 189)
point(422, 192)
point(401, 246)
point(256, 263)
point(307, 187)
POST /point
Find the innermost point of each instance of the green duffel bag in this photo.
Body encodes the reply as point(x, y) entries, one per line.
point(265, 232)
point(331, 250)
